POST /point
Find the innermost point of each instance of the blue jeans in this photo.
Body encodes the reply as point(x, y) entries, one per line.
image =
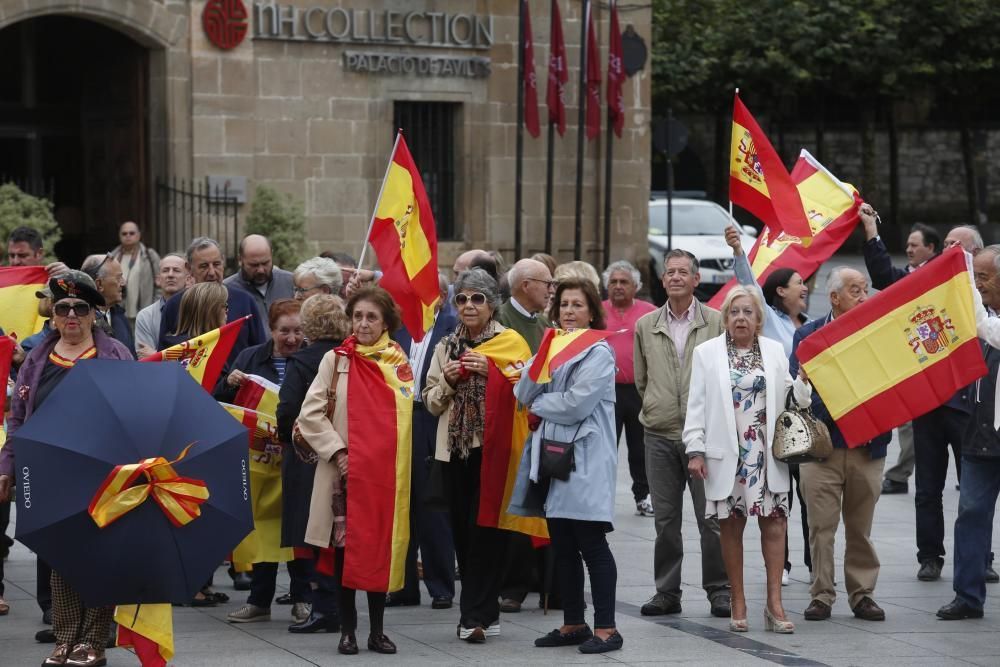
point(974, 527)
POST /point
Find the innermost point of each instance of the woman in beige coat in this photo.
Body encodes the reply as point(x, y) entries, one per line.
point(373, 315)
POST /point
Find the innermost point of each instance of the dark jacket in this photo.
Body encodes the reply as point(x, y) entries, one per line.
point(879, 265)
point(29, 343)
point(121, 328)
point(878, 445)
point(444, 324)
point(254, 360)
point(296, 476)
point(253, 332)
point(281, 287)
point(981, 439)
point(22, 402)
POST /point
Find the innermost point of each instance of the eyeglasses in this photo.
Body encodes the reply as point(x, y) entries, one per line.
point(550, 283)
point(303, 290)
point(477, 299)
point(78, 309)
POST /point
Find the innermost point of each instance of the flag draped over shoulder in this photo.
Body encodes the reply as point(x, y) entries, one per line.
point(758, 180)
point(18, 303)
point(380, 416)
point(616, 74)
point(900, 354)
point(504, 435)
point(204, 356)
point(555, 93)
point(530, 82)
point(405, 241)
point(593, 79)
point(149, 630)
point(559, 346)
point(830, 205)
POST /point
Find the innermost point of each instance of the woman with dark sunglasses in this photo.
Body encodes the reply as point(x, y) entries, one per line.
point(81, 631)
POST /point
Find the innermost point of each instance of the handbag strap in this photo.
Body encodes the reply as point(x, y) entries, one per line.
point(331, 393)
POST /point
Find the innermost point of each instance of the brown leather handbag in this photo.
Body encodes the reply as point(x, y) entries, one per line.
point(303, 450)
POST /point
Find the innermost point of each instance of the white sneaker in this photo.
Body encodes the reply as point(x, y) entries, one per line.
point(644, 507)
point(493, 629)
point(784, 577)
point(249, 613)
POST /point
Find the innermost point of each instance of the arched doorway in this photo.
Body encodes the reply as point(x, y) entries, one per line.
point(74, 125)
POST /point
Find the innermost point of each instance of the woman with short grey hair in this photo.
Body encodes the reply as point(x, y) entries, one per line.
point(477, 280)
point(318, 275)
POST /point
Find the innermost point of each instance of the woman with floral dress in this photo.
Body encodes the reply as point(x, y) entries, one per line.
point(739, 384)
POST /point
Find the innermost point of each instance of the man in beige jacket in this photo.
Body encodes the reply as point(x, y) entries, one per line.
point(664, 344)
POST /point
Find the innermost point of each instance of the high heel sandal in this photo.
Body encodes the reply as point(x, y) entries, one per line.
point(772, 624)
point(738, 625)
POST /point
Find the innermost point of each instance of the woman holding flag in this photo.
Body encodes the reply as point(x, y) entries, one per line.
point(480, 429)
point(576, 405)
point(359, 409)
point(203, 308)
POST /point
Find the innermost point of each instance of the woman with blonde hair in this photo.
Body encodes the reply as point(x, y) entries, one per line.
point(577, 270)
point(203, 308)
point(739, 384)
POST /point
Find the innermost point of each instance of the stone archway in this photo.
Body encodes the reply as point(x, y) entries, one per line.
point(148, 22)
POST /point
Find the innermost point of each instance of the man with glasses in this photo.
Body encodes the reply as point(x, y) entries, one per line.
point(319, 275)
point(258, 276)
point(171, 278)
point(140, 267)
point(110, 280)
point(663, 352)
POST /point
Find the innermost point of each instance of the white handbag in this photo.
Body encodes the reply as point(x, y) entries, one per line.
point(799, 437)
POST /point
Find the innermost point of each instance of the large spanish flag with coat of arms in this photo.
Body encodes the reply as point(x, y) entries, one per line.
point(901, 353)
point(405, 241)
point(505, 433)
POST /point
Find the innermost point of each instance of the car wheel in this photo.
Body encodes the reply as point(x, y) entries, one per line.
point(656, 291)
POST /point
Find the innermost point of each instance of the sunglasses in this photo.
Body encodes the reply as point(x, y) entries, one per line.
point(78, 309)
point(477, 299)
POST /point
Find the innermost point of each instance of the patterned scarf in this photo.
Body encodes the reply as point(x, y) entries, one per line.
point(467, 419)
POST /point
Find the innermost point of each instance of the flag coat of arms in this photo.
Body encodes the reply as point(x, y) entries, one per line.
point(900, 354)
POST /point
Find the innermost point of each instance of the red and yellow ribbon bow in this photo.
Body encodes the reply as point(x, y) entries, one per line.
point(178, 497)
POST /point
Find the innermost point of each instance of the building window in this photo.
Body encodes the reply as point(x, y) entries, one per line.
point(429, 128)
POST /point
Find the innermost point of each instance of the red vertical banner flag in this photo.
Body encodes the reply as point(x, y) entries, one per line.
point(759, 182)
point(616, 74)
point(530, 81)
point(555, 94)
point(405, 241)
point(593, 79)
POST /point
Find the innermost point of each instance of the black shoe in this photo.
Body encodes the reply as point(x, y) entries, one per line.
point(47, 614)
point(241, 581)
point(930, 570)
point(510, 606)
point(393, 600)
point(556, 638)
point(661, 604)
point(956, 610)
point(597, 645)
point(316, 622)
point(891, 486)
point(381, 644)
point(991, 575)
point(348, 644)
point(284, 599)
point(45, 636)
point(441, 603)
point(721, 605)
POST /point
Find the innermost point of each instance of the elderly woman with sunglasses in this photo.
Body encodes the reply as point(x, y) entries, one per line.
point(81, 632)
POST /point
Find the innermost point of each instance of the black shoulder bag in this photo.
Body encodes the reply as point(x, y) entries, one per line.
point(558, 459)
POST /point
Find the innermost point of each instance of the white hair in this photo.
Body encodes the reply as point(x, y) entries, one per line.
point(835, 282)
point(325, 270)
point(622, 265)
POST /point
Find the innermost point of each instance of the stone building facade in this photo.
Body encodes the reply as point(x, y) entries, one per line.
point(304, 96)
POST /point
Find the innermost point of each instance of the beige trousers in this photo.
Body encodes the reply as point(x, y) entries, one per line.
point(848, 483)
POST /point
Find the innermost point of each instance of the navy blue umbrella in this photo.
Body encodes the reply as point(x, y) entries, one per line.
point(107, 413)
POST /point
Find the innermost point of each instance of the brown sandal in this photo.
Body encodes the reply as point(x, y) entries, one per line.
point(4, 607)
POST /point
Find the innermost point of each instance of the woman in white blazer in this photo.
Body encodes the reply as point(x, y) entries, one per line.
point(739, 382)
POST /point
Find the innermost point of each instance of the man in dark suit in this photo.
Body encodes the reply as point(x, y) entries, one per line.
point(428, 529)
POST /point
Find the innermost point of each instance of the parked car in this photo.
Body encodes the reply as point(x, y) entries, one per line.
point(697, 227)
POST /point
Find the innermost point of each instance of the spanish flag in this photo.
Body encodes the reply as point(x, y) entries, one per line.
point(758, 180)
point(260, 394)
point(900, 354)
point(830, 205)
point(379, 421)
point(560, 346)
point(204, 356)
point(149, 630)
point(505, 433)
point(263, 544)
point(18, 303)
point(405, 241)
point(6, 356)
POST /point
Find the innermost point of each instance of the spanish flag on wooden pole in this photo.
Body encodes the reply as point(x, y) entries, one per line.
point(758, 180)
point(830, 205)
point(204, 356)
point(18, 303)
point(558, 347)
point(403, 235)
point(504, 435)
point(900, 354)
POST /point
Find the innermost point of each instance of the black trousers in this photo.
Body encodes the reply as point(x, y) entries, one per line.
point(575, 542)
point(480, 550)
point(429, 530)
point(628, 405)
point(264, 579)
point(5, 546)
point(933, 433)
point(348, 609)
point(793, 468)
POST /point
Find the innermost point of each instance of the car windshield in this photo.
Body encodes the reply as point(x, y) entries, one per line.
point(688, 219)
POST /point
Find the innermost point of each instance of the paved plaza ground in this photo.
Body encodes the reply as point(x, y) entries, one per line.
point(910, 635)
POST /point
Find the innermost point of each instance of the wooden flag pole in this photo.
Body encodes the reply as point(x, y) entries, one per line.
point(378, 200)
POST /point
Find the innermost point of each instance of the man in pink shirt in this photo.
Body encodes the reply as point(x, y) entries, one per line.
point(622, 281)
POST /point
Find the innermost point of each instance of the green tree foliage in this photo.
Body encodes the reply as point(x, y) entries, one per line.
point(282, 220)
point(18, 209)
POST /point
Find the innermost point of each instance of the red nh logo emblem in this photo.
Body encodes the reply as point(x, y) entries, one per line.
point(225, 22)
